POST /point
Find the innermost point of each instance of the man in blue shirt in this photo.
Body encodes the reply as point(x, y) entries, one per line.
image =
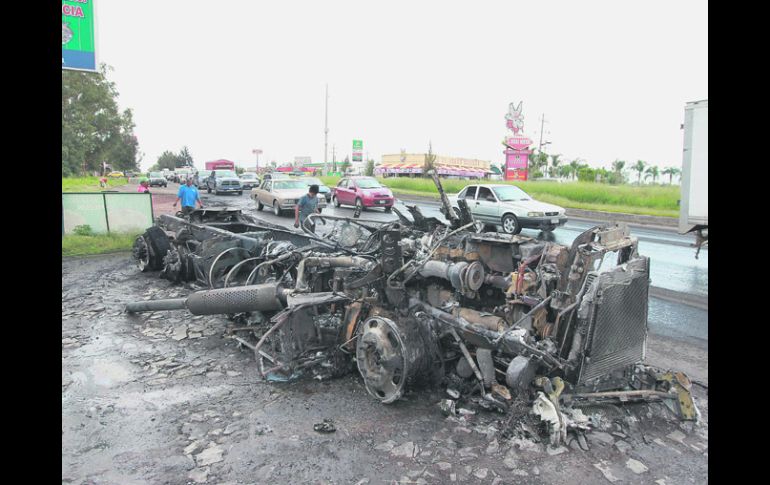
point(188, 194)
point(306, 205)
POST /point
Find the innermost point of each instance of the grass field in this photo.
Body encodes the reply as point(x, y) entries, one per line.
point(88, 184)
point(657, 200)
point(75, 245)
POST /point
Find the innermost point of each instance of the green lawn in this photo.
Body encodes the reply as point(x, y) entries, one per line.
point(75, 245)
point(656, 200)
point(89, 184)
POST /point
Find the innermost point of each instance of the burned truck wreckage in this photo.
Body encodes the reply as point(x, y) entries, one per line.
point(494, 318)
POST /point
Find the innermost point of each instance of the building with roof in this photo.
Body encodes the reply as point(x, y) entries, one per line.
point(406, 164)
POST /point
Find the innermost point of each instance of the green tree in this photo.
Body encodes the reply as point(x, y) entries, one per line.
point(94, 130)
point(168, 160)
point(574, 166)
point(671, 171)
point(653, 172)
point(369, 170)
point(345, 165)
point(429, 162)
point(639, 166)
point(565, 171)
point(185, 158)
point(554, 165)
point(586, 174)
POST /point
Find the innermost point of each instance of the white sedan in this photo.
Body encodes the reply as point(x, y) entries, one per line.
point(509, 207)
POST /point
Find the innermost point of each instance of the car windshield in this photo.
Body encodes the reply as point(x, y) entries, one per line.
point(155, 175)
point(368, 183)
point(248, 176)
point(289, 184)
point(226, 173)
point(510, 193)
point(313, 181)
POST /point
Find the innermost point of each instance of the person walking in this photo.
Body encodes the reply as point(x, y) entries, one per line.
point(144, 186)
point(188, 194)
point(306, 205)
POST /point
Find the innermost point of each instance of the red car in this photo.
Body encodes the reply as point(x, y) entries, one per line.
point(362, 192)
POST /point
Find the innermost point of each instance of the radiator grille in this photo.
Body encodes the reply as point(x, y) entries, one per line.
point(552, 213)
point(619, 330)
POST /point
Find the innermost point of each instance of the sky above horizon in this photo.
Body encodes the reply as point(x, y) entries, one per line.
point(222, 78)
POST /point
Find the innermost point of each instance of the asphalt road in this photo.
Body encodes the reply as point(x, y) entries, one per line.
point(679, 282)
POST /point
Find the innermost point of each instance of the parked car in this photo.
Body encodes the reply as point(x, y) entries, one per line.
point(509, 207)
point(200, 180)
point(275, 176)
point(324, 190)
point(115, 174)
point(282, 195)
point(222, 181)
point(157, 179)
point(362, 192)
point(249, 180)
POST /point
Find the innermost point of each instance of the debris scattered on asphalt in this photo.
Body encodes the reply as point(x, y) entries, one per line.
point(327, 426)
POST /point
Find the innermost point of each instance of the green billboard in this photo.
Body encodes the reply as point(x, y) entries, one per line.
point(78, 35)
point(358, 145)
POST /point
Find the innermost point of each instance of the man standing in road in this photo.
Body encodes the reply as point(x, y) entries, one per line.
point(188, 194)
point(306, 205)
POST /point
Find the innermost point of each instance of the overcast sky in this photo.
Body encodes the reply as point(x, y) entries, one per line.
point(612, 77)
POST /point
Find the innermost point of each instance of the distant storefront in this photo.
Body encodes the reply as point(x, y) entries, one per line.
point(411, 164)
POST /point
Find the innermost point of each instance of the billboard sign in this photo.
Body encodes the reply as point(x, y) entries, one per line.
point(358, 147)
point(78, 35)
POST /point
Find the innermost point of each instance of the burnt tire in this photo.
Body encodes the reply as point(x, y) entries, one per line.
point(511, 224)
point(157, 245)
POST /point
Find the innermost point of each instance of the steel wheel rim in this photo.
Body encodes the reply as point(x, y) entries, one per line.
point(509, 225)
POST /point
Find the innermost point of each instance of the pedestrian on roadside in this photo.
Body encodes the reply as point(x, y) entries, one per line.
point(306, 205)
point(103, 182)
point(188, 194)
point(144, 186)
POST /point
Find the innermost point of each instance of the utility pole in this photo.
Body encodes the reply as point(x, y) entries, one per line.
point(326, 131)
point(334, 158)
point(540, 145)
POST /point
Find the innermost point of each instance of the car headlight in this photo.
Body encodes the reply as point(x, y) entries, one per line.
point(535, 214)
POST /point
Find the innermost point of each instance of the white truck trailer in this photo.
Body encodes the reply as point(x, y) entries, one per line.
point(694, 204)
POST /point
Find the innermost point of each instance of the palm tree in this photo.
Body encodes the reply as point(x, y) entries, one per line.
point(554, 164)
point(429, 162)
point(639, 167)
point(653, 172)
point(671, 171)
point(617, 166)
point(574, 165)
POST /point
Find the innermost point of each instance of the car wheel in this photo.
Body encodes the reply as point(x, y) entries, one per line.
point(511, 224)
point(388, 209)
point(360, 204)
point(149, 252)
point(240, 192)
point(260, 205)
point(276, 208)
point(320, 210)
point(336, 201)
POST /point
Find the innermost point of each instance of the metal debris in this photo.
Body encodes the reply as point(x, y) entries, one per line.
point(507, 323)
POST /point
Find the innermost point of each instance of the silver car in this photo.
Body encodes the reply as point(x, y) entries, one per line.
point(509, 207)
